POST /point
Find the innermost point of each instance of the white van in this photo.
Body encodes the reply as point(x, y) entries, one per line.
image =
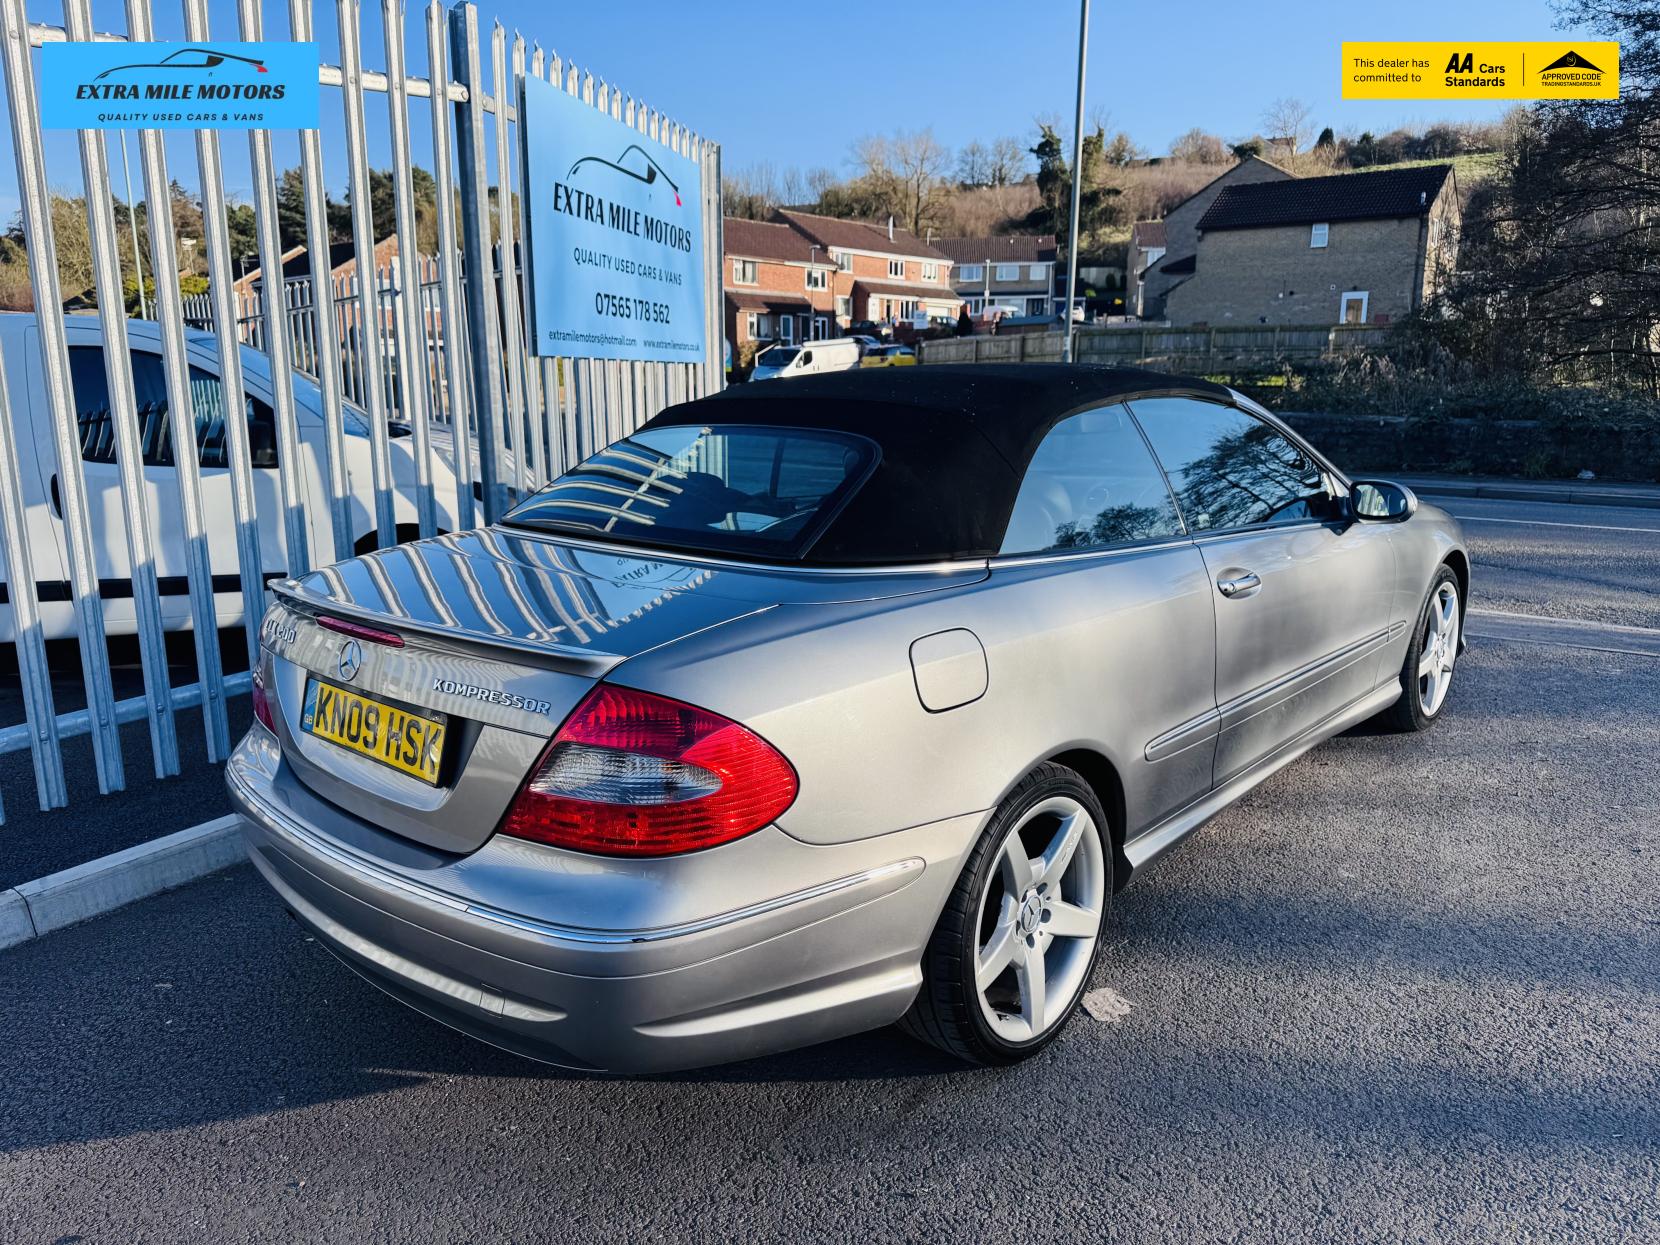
point(835, 354)
point(37, 474)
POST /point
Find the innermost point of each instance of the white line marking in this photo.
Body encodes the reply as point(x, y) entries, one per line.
point(1589, 527)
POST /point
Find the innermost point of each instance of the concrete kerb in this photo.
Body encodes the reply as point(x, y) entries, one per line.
point(81, 892)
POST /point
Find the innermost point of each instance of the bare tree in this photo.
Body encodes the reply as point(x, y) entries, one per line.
point(1198, 147)
point(974, 165)
point(1289, 120)
point(1007, 162)
point(919, 163)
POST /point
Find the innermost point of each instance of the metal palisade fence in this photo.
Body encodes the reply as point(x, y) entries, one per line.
point(427, 363)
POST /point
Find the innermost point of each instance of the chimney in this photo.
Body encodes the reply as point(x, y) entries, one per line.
point(890, 228)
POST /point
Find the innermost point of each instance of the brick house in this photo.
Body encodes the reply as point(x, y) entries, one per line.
point(1015, 271)
point(778, 284)
point(1149, 285)
point(882, 274)
point(1353, 248)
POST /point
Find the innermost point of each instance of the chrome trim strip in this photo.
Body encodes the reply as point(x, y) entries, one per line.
point(1261, 699)
point(281, 823)
point(1153, 843)
point(1207, 726)
point(790, 569)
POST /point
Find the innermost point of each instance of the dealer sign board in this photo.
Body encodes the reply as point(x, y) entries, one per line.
point(178, 86)
point(614, 231)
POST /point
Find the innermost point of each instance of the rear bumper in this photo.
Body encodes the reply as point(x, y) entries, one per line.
point(827, 945)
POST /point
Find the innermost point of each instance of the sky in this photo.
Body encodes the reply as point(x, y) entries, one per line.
point(800, 84)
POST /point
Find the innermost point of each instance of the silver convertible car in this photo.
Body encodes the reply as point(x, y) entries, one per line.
point(811, 709)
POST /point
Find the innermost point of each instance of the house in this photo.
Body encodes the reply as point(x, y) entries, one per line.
point(1017, 271)
point(882, 274)
point(1149, 288)
point(1146, 249)
point(1353, 248)
point(296, 263)
point(778, 284)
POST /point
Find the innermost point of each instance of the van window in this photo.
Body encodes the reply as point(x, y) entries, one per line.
point(777, 356)
point(806, 357)
point(207, 399)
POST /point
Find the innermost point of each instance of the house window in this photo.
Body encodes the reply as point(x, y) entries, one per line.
point(896, 268)
point(1353, 307)
point(971, 272)
point(1008, 272)
point(1318, 234)
point(974, 306)
point(751, 327)
point(1037, 272)
point(930, 272)
point(817, 279)
point(844, 306)
point(743, 272)
point(1037, 306)
point(844, 261)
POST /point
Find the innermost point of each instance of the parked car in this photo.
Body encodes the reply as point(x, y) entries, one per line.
point(866, 342)
point(38, 472)
point(873, 329)
point(889, 356)
point(835, 354)
point(810, 708)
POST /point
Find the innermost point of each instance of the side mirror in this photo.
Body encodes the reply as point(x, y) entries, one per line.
point(1381, 501)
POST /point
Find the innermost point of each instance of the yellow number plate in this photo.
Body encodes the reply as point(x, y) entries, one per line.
point(372, 728)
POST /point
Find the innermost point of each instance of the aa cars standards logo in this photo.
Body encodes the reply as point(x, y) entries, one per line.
point(179, 86)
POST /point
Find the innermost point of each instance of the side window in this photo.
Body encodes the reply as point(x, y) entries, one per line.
point(92, 408)
point(1091, 483)
point(1229, 469)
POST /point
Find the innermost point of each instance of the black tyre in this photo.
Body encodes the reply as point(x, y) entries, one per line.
point(1426, 673)
point(1021, 931)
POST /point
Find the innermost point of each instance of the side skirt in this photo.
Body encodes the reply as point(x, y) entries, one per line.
point(1150, 844)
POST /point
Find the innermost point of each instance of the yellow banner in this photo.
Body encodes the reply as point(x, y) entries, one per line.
point(1580, 70)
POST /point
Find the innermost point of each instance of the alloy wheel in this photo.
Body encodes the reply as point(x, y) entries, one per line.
point(1438, 649)
point(1039, 919)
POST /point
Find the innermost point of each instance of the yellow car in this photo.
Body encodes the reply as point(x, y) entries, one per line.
point(890, 356)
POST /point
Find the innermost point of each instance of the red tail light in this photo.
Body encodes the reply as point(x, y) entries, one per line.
point(262, 702)
point(633, 774)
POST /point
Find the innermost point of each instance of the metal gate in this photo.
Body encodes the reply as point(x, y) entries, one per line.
point(416, 349)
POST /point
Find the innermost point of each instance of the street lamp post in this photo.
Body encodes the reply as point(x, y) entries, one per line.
point(1077, 185)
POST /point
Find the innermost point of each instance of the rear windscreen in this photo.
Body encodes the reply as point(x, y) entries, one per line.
point(750, 491)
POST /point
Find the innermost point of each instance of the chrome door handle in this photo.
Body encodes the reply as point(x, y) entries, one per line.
point(1239, 585)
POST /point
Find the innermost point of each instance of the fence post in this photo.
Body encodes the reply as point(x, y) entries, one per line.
point(123, 415)
point(475, 232)
point(181, 418)
point(449, 290)
point(35, 194)
point(324, 315)
point(411, 321)
point(371, 357)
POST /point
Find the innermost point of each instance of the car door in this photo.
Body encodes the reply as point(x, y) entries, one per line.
point(103, 487)
point(1302, 594)
point(1116, 604)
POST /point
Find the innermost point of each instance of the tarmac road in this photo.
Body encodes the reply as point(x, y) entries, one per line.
point(1407, 990)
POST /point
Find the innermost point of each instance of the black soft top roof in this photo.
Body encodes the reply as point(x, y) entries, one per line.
point(955, 440)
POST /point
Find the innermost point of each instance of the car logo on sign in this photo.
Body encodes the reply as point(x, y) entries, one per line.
point(350, 660)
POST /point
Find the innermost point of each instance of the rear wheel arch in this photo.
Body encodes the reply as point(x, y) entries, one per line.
point(1460, 563)
point(1101, 774)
